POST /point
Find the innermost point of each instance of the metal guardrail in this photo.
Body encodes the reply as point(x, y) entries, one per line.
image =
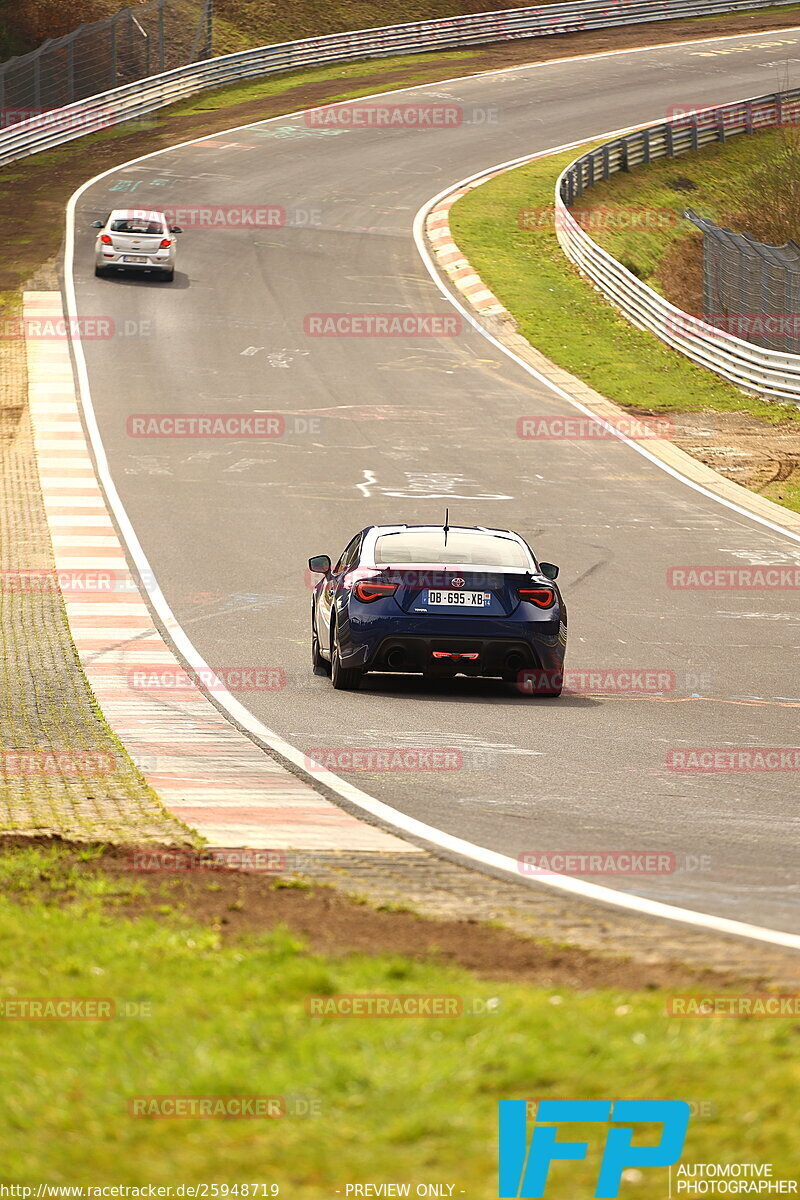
point(751, 288)
point(54, 128)
point(754, 368)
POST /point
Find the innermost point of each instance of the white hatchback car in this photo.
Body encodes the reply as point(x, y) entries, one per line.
point(137, 240)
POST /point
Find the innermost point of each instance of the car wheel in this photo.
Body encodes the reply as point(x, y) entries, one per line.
point(100, 272)
point(319, 665)
point(169, 276)
point(344, 679)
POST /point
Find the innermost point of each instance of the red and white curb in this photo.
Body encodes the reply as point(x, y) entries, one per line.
point(205, 771)
point(451, 259)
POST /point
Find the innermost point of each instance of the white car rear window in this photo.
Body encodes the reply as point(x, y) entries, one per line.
point(131, 225)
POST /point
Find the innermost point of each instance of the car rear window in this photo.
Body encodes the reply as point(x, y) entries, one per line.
point(462, 547)
point(131, 225)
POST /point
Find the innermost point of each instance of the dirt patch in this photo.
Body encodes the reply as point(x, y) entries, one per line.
point(738, 445)
point(239, 905)
point(741, 448)
point(680, 273)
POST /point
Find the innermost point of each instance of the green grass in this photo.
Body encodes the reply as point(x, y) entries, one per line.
point(561, 314)
point(210, 101)
point(787, 494)
point(718, 173)
point(405, 1099)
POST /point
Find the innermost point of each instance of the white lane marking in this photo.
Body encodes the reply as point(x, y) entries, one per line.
point(433, 485)
point(370, 479)
point(237, 711)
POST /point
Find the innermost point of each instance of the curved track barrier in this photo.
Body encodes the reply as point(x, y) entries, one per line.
point(766, 372)
point(60, 125)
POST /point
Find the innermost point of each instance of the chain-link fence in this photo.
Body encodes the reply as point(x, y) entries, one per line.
point(750, 289)
point(145, 40)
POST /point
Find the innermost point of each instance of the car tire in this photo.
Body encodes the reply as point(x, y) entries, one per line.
point(319, 665)
point(169, 276)
point(344, 679)
point(100, 272)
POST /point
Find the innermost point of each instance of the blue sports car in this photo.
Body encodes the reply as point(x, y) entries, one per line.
point(438, 601)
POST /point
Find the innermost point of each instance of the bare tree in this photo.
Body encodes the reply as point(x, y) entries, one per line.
point(766, 202)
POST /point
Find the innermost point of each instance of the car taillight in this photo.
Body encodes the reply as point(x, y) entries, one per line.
point(366, 592)
point(105, 239)
point(542, 597)
point(165, 245)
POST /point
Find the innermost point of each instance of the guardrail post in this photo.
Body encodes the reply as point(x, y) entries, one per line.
point(646, 148)
point(778, 110)
point(590, 170)
point(606, 162)
point(670, 142)
point(37, 81)
point(209, 51)
point(623, 155)
point(114, 74)
point(2, 94)
point(695, 132)
point(71, 70)
point(720, 125)
point(161, 35)
point(748, 108)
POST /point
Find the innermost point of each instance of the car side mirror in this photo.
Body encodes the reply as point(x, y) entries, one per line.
point(175, 229)
point(549, 570)
point(320, 564)
point(97, 224)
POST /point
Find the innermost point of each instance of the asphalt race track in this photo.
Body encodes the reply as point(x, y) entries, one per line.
point(393, 429)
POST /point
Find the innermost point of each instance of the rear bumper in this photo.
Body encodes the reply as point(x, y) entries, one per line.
point(436, 647)
point(152, 264)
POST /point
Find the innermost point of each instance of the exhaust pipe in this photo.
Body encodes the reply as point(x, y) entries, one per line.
point(396, 658)
point(514, 662)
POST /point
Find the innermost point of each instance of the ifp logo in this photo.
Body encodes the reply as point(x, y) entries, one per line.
point(524, 1168)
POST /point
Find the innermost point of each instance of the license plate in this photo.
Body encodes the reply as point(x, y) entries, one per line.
point(450, 599)
point(137, 258)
